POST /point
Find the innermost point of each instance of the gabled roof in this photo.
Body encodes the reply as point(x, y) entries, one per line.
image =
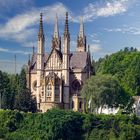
point(57, 52)
point(78, 60)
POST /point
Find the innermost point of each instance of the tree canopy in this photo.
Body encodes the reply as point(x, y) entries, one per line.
point(14, 93)
point(67, 125)
point(104, 90)
point(125, 66)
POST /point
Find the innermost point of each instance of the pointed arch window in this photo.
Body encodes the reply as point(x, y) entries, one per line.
point(49, 90)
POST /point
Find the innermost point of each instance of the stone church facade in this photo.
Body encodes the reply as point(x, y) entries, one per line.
point(56, 78)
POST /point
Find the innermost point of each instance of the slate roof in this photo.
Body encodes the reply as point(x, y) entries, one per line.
point(78, 60)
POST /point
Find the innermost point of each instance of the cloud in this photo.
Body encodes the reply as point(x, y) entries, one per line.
point(94, 48)
point(94, 38)
point(108, 8)
point(14, 51)
point(8, 5)
point(21, 27)
point(125, 30)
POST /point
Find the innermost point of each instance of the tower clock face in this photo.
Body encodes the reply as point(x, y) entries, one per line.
point(77, 85)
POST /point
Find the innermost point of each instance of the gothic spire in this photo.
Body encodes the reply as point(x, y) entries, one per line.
point(41, 33)
point(56, 40)
point(56, 31)
point(66, 30)
point(81, 32)
point(81, 40)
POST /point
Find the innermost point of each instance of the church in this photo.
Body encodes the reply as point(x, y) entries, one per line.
point(55, 78)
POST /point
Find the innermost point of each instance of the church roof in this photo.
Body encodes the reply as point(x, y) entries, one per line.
point(78, 60)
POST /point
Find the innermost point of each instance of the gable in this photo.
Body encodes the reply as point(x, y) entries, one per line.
point(54, 60)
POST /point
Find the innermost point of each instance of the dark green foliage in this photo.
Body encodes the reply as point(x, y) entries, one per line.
point(14, 93)
point(6, 96)
point(125, 66)
point(67, 125)
point(103, 90)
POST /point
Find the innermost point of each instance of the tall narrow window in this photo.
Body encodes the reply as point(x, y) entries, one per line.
point(48, 92)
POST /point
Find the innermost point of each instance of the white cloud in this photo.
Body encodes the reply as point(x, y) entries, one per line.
point(94, 38)
point(20, 28)
point(125, 30)
point(14, 51)
point(3, 50)
point(109, 8)
point(94, 48)
point(7, 5)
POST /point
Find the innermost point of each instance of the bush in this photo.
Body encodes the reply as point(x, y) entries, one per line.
point(67, 125)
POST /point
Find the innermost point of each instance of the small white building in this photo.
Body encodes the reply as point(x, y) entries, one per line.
point(109, 110)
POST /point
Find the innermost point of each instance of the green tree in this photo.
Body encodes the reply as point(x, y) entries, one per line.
point(5, 91)
point(24, 100)
point(124, 65)
point(103, 90)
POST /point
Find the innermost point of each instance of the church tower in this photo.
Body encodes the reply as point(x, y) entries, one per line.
point(40, 59)
point(57, 76)
point(81, 41)
point(56, 40)
point(66, 63)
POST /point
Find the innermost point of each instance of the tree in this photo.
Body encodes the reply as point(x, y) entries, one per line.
point(103, 90)
point(124, 65)
point(24, 100)
point(5, 96)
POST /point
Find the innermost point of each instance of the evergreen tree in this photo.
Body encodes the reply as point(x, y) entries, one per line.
point(24, 100)
point(5, 98)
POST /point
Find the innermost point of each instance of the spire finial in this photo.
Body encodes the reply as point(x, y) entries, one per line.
point(81, 32)
point(56, 31)
point(66, 32)
point(41, 26)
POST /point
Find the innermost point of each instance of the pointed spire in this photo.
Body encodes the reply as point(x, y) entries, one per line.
point(41, 34)
point(56, 31)
point(66, 31)
point(81, 32)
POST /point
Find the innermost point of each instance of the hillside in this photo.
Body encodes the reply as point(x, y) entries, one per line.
point(125, 66)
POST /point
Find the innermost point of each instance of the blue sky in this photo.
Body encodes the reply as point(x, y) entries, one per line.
point(110, 25)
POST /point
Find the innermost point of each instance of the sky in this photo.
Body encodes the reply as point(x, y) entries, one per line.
point(110, 25)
